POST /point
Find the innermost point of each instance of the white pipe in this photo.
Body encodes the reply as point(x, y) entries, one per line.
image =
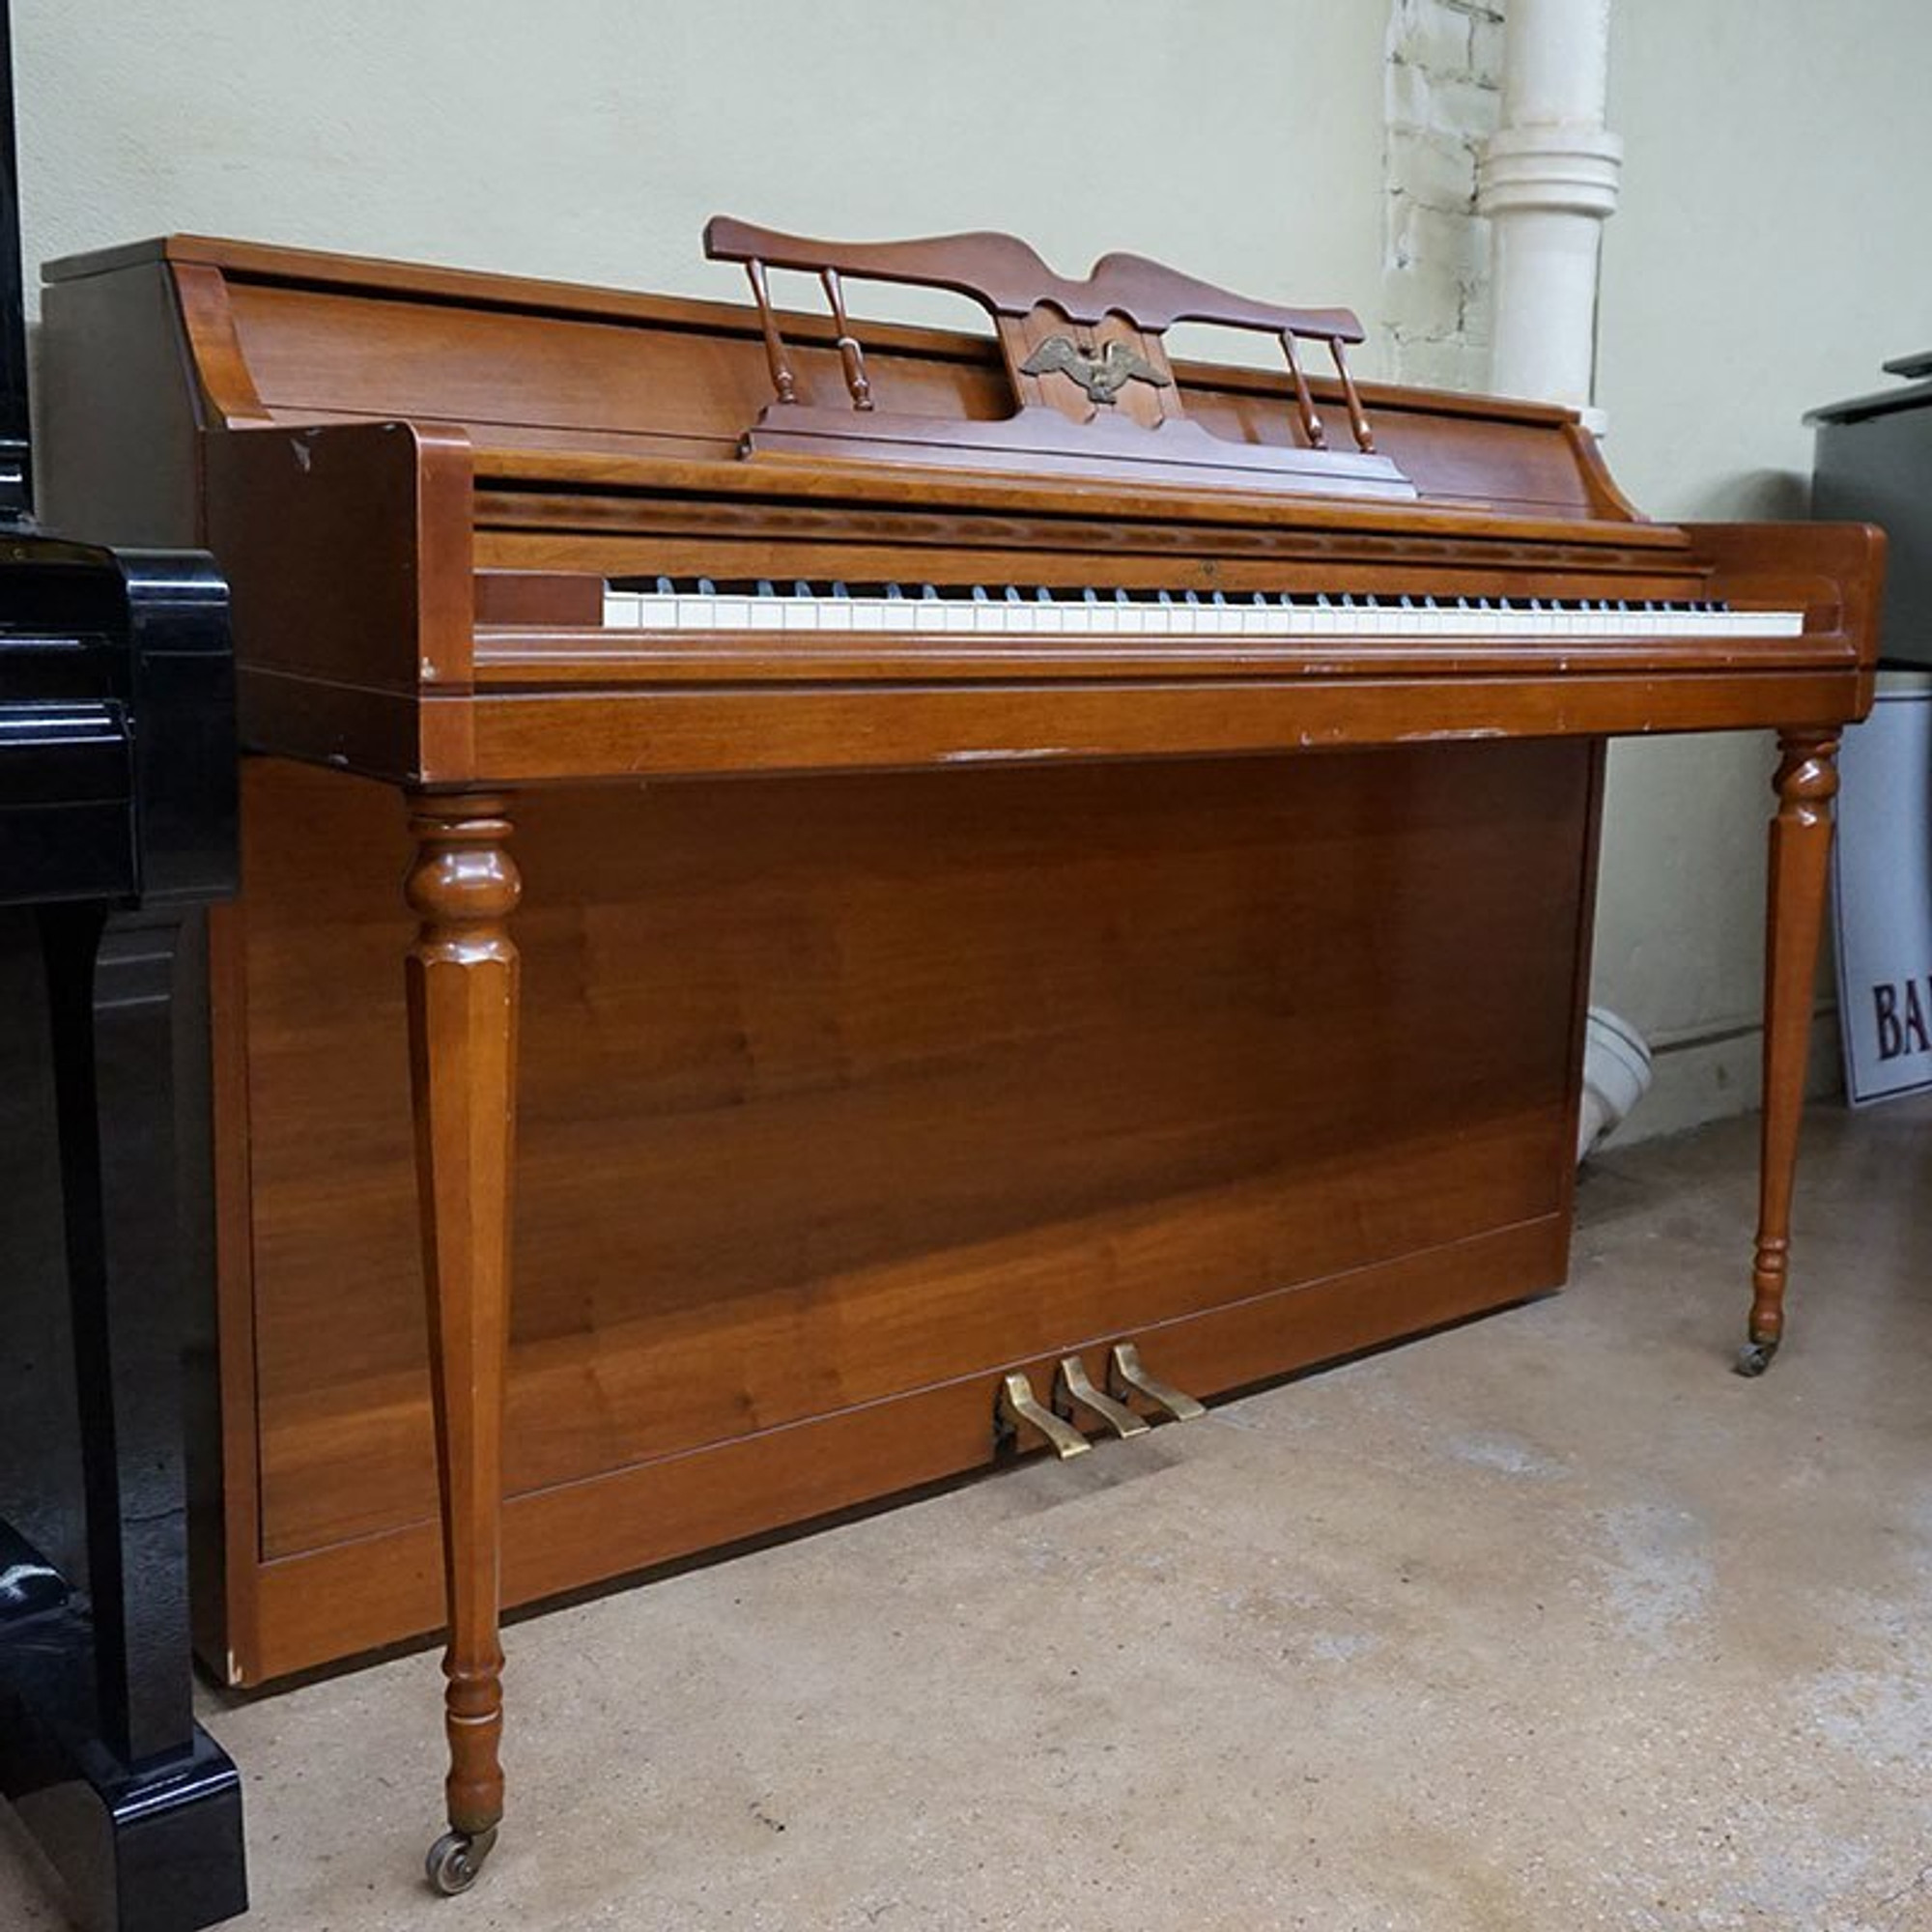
point(1616, 1077)
point(1556, 63)
point(1548, 181)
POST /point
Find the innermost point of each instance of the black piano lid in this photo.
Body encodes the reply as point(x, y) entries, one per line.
point(1916, 368)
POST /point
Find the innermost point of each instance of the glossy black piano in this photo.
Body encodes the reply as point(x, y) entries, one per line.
point(117, 826)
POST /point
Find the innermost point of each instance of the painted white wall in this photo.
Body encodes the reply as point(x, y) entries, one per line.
point(590, 139)
point(1767, 256)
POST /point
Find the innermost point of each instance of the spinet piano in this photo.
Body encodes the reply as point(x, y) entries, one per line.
point(1150, 956)
point(117, 826)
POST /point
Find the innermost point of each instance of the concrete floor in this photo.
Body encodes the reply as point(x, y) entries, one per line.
point(1547, 1623)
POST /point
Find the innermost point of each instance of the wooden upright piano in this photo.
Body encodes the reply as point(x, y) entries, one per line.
point(1059, 882)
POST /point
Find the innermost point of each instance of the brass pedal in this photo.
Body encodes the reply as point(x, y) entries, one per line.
point(1073, 1387)
point(1016, 1403)
point(1126, 1371)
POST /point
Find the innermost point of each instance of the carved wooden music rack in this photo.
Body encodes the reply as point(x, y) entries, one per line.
point(1094, 392)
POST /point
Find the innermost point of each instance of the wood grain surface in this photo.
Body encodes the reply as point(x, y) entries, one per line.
point(838, 1089)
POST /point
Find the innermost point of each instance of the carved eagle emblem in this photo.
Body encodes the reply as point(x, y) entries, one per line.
point(1103, 376)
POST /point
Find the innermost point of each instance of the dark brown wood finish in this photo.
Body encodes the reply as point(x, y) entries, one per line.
point(1031, 1001)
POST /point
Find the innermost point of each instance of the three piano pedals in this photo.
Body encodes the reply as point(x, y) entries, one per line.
point(1074, 1394)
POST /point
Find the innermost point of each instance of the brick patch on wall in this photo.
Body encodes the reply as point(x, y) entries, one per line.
point(1442, 82)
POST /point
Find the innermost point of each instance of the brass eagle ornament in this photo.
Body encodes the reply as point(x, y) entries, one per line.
point(1103, 375)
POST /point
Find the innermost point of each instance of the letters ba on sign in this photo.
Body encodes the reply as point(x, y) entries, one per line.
point(1881, 891)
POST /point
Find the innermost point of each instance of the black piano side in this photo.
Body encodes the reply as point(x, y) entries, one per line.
point(117, 829)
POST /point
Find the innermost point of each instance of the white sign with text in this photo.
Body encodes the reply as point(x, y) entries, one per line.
point(1882, 898)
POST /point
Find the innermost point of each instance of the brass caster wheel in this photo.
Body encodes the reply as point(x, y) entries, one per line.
point(456, 1859)
point(1754, 1357)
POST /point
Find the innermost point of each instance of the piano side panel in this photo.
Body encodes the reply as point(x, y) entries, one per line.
point(41, 1490)
point(839, 1095)
point(115, 447)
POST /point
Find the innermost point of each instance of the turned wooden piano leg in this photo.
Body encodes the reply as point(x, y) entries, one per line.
point(463, 887)
point(1800, 848)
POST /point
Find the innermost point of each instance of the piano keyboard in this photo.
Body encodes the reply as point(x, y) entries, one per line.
point(1009, 609)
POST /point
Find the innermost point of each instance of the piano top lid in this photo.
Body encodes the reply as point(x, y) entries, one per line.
point(267, 262)
point(573, 374)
